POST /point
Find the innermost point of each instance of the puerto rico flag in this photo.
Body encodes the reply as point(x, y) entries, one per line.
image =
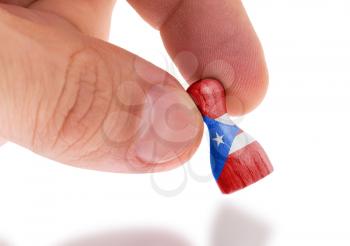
point(237, 160)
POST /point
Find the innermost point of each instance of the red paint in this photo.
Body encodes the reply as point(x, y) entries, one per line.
point(209, 96)
point(244, 167)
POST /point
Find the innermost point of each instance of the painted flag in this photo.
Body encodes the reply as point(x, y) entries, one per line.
point(237, 160)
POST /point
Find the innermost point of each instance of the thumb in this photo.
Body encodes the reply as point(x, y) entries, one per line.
point(87, 103)
point(2, 141)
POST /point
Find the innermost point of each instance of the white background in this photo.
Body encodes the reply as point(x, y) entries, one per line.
point(303, 125)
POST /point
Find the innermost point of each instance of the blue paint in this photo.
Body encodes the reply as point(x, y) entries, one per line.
point(219, 153)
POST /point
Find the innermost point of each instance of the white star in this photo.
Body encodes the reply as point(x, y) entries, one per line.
point(219, 139)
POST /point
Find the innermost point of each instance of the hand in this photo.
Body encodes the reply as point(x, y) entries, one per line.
point(67, 94)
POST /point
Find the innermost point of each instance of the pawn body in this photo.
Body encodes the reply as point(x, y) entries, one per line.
point(237, 160)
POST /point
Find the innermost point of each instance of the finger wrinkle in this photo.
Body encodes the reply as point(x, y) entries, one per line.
point(171, 13)
point(23, 3)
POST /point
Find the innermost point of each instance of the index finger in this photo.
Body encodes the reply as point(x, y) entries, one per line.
point(212, 39)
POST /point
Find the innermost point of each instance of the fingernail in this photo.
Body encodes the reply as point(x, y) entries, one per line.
point(173, 125)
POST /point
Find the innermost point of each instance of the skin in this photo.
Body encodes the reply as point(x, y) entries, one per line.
point(68, 94)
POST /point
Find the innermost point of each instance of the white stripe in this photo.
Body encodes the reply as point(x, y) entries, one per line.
point(225, 119)
point(241, 141)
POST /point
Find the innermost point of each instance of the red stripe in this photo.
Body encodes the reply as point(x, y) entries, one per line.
point(239, 131)
point(244, 167)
